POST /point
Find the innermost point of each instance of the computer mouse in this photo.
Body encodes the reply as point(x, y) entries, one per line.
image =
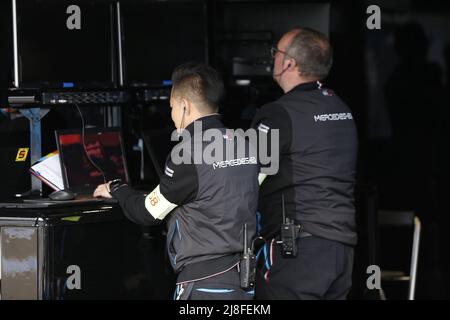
point(61, 195)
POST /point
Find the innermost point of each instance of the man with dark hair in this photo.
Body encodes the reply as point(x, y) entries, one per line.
point(310, 247)
point(208, 204)
point(201, 83)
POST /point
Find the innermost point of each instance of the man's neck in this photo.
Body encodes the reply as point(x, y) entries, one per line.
point(292, 84)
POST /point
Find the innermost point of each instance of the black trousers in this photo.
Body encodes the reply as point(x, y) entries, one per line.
point(321, 270)
point(225, 286)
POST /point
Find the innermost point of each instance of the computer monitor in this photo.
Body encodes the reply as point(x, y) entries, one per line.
point(158, 36)
point(105, 148)
point(51, 53)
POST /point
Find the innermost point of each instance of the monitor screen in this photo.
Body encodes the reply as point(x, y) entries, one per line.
point(6, 45)
point(159, 36)
point(105, 148)
point(65, 50)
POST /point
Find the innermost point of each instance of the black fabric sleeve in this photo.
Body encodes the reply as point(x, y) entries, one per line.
point(179, 183)
point(132, 203)
point(274, 116)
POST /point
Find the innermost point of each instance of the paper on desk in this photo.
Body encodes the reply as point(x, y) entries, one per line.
point(48, 169)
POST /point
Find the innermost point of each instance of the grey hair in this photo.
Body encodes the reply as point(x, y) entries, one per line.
point(312, 52)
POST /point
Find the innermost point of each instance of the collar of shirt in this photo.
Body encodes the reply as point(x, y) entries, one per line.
point(208, 122)
point(307, 86)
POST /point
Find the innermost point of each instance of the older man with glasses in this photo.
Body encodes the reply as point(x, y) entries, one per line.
point(307, 207)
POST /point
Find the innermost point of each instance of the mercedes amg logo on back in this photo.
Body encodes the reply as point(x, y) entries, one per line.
point(333, 117)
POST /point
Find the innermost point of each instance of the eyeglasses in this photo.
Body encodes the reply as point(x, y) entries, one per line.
point(274, 51)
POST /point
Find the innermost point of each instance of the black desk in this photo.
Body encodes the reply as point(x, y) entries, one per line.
point(44, 250)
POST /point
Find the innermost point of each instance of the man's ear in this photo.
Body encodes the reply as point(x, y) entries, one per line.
point(186, 106)
point(291, 64)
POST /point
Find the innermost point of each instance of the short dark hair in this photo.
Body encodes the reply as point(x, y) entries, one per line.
point(312, 52)
point(200, 83)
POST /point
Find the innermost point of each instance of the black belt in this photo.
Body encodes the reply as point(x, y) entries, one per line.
point(202, 269)
point(301, 235)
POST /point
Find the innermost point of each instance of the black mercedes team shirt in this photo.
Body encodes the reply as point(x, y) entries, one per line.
point(214, 200)
point(317, 164)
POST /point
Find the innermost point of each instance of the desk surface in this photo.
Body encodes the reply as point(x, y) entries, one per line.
point(78, 211)
point(46, 202)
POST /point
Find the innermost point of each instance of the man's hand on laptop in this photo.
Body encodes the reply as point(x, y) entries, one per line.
point(103, 190)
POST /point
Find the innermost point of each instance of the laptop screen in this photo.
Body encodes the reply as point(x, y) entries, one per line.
point(105, 148)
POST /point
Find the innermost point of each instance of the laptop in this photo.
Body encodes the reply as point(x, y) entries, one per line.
point(106, 161)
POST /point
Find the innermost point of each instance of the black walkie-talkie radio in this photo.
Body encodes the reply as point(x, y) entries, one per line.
point(289, 233)
point(247, 264)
